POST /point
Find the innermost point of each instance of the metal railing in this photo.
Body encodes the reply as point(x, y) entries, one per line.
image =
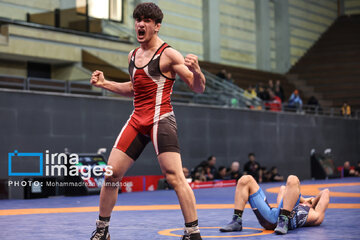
point(46, 84)
point(308, 109)
point(231, 90)
point(218, 92)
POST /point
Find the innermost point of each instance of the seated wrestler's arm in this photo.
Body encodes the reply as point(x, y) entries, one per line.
point(188, 69)
point(124, 89)
point(320, 203)
point(308, 200)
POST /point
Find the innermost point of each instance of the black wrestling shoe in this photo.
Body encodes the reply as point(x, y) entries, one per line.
point(192, 233)
point(194, 236)
point(102, 231)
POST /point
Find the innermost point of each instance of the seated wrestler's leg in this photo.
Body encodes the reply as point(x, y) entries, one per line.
point(291, 196)
point(275, 212)
point(245, 187)
point(280, 195)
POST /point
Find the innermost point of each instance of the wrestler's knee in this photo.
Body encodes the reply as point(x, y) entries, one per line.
point(292, 180)
point(245, 180)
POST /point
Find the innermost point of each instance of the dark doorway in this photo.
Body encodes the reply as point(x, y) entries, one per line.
point(40, 70)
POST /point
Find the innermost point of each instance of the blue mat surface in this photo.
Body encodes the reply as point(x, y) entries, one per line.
point(339, 223)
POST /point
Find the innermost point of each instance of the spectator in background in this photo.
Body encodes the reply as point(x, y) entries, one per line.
point(229, 77)
point(222, 74)
point(261, 93)
point(164, 185)
point(274, 104)
point(279, 91)
point(253, 168)
point(314, 104)
point(250, 92)
point(187, 175)
point(234, 172)
point(211, 163)
point(271, 85)
point(225, 75)
point(295, 100)
point(186, 172)
point(275, 176)
point(266, 175)
point(348, 172)
point(221, 174)
point(357, 169)
point(209, 176)
point(199, 174)
point(203, 164)
point(346, 110)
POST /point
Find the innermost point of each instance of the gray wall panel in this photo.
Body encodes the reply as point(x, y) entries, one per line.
point(36, 122)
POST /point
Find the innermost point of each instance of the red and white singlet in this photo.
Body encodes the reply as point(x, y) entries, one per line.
point(153, 116)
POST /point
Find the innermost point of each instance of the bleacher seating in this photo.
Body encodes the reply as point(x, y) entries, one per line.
point(332, 65)
point(243, 77)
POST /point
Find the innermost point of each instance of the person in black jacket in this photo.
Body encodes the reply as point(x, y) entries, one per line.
point(253, 168)
point(221, 174)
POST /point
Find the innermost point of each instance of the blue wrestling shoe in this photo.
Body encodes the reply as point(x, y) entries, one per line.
point(234, 226)
point(282, 225)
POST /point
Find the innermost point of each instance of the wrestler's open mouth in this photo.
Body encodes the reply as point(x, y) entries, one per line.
point(141, 32)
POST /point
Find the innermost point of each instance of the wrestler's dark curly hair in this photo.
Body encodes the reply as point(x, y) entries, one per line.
point(148, 10)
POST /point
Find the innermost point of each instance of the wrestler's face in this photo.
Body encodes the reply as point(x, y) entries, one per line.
point(146, 29)
point(309, 201)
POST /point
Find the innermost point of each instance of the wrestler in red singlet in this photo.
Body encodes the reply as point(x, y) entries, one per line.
point(152, 68)
point(152, 91)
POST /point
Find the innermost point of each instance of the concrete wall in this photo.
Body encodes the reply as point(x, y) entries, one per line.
point(182, 26)
point(26, 43)
point(17, 9)
point(237, 33)
point(308, 20)
point(272, 37)
point(261, 34)
point(33, 122)
point(352, 7)
point(15, 68)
